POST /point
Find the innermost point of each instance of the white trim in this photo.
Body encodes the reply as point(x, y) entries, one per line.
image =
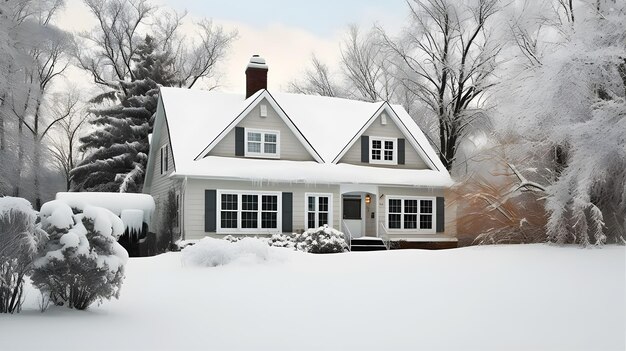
point(382, 161)
point(262, 153)
point(239, 230)
point(257, 99)
point(417, 230)
point(306, 208)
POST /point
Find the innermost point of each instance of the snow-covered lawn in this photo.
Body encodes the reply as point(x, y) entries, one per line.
point(533, 297)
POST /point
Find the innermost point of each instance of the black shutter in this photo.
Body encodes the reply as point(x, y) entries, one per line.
point(287, 220)
point(210, 211)
point(400, 151)
point(161, 162)
point(365, 149)
point(239, 141)
point(441, 218)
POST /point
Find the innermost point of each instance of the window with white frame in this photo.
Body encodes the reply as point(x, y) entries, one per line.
point(318, 210)
point(262, 143)
point(383, 150)
point(410, 213)
point(245, 211)
point(164, 158)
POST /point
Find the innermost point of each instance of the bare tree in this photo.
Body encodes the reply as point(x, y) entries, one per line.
point(64, 147)
point(317, 80)
point(108, 50)
point(447, 58)
point(364, 63)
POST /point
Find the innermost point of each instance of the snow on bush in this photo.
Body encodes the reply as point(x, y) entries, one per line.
point(321, 240)
point(19, 239)
point(282, 240)
point(82, 262)
point(210, 252)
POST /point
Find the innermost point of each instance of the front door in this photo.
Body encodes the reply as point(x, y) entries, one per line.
point(352, 215)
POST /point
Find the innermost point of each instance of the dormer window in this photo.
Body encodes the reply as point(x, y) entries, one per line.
point(383, 150)
point(262, 143)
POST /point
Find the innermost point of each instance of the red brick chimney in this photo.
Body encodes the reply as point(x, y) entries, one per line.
point(256, 75)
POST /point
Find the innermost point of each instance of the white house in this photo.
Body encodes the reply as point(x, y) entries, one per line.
point(268, 162)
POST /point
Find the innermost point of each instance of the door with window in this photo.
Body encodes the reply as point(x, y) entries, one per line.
point(353, 214)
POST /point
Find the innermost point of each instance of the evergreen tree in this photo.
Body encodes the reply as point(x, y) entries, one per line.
point(117, 152)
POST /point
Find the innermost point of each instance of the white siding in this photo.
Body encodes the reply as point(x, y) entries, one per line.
point(194, 201)
point(161, 183)
point(390, 130)
point(290, 146)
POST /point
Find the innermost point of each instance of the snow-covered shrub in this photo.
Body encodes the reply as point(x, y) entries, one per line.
point(232, 238)
point(168, 222)
point(19, 239)
point(282, 240)
point(321, 240)
point(210, 252)
point(82, 261)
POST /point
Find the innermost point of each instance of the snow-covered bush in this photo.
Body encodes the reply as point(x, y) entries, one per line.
point(321, 240)
point(82, 261)
point(210, 252)
point(19, 239)
point(282, 240)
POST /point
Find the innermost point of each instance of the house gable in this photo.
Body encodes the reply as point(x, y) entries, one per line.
point(290, 147)
point(250, 117)
point(157, 180)
point(375, 127)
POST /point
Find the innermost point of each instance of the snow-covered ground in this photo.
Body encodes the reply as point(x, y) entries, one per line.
point(533, 297)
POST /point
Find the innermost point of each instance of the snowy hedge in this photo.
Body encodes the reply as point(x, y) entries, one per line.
point(82, 262)
point(321, 240)
point(19, 239)
point(210, 252)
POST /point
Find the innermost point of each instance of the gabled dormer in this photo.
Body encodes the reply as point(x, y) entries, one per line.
point(263, 129)
point(385, 142)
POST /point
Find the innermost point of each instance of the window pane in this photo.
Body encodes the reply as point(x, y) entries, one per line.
point(250, 202)
point(388, 155)
point(254, 147)
point(323, 204)
point(395, 205)
point(375, 154)
point(426, 221)
point(268, 220)
point(228, 219)
point(254, 136)
point(311, 220)
point(249, 219)
point(270, 138)
point(269, 148)
point(376, 144)
point(394, 221)
point(229, 201)
point(426, 206)
point(323, 218)
point(351, 208)
point(311, 203)
point(269, 202)
point(410, 206)
point(410, 221)
point(389, 145)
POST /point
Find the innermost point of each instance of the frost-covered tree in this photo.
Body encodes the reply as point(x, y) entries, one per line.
point(19, 240)
point(568, 118)
point(117, 151)
point(82, 262)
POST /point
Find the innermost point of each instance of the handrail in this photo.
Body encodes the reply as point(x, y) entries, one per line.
point(384, 235)
point(346, 230)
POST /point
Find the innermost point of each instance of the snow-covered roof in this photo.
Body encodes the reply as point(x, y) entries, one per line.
point(197, 118)
point(114, 202)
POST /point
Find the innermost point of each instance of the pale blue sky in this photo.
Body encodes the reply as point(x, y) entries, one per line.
point(321, 17)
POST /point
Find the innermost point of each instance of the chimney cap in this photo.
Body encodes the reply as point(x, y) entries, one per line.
point(257, 61)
